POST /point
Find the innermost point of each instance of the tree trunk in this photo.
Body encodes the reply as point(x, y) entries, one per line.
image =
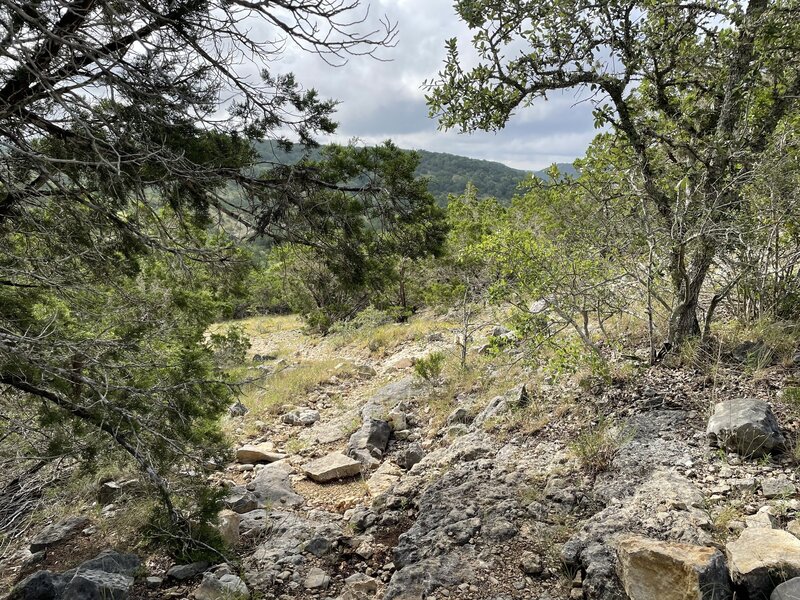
point(683, 323)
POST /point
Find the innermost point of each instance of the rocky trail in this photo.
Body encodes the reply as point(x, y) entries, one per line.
point(670, 484)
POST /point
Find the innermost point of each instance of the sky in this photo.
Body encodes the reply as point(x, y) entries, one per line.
point(385, 100)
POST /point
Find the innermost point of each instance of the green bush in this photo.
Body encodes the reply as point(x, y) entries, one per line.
point(430, 367)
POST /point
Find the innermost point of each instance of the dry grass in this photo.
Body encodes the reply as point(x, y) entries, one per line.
point(290, 386)
point(381, 340)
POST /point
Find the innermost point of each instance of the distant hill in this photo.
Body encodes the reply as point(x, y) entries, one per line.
point(448, 173)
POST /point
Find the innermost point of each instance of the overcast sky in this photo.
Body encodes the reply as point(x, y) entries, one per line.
point(382, 100)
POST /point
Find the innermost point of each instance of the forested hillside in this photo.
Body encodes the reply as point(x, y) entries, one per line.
point(448, 174)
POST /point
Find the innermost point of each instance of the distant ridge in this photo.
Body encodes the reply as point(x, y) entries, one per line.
point(448, 173)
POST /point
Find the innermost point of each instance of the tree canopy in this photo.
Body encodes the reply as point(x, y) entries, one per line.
point(692, 92)
point(126, 140)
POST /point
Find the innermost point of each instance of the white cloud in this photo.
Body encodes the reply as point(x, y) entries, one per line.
point(381, 100)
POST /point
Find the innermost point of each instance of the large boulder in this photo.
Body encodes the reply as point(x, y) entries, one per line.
point(333, 466)
point(57, 533)
point(746, 426)
point(652, 569)
point(762, 558)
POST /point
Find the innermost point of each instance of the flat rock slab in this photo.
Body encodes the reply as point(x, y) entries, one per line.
point(57, 533)
point(333, 466)
point(745, 426)
point(762, 558)
point(651, 569)
point(258, 453)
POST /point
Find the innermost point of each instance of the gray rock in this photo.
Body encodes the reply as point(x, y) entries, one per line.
point(762, 558)
point(271, 486)
point(777, 487)
point(253, 523)
point(368, 444)
point(154, 582)
point(333, 466)
point(184, 572)
point(225, 587)
point(304, 417)
point(409, 456)
point(237, 409)
point(98, 585)
point(39, 586)
point(317, 579)
point(788, 590)
point(57, 533)
point(745, 426)
point(459, 416)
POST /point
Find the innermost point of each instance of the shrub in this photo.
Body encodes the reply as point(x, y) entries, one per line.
point(430, 367)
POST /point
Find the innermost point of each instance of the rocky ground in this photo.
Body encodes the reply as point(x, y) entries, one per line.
point(372, 483)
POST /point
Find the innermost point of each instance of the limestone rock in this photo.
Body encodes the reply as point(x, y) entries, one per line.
point(383, 479)
point(317, 579)
point(333, 466)
point(761, 558)
point(271, 486)
point(777, 487)
point(251, 454)
point(87, 584)
point(228, 527)
point(368, 444)
point(746, 426)
point(652, 569)
point(304, 417)
point(225, 587)
point(57, 533)
point(788, 590)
